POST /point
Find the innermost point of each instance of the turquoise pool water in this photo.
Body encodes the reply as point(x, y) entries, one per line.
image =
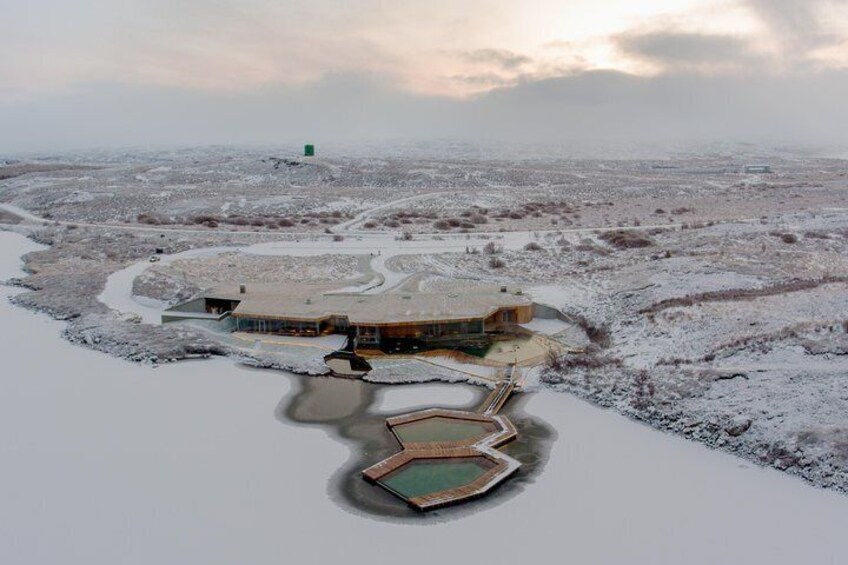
point(439, 428)
point(427, 476)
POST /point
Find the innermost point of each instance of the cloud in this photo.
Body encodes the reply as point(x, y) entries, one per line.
point(584, 107)
point(798, 25)
point(502, 58)
point(679, 50)
point(485, 80)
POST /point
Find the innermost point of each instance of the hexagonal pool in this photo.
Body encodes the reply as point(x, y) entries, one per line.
point(442, 429)
point(421, 477)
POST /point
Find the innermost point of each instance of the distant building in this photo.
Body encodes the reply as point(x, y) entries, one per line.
point(389, 321)
point(757, 169)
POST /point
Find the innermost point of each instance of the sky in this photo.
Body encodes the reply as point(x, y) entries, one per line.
point(139, 72)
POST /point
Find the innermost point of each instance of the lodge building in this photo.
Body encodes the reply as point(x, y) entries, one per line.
point(388, 321)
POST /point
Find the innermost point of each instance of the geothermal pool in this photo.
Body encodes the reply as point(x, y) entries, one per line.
point(439, 428)
point(421, 477)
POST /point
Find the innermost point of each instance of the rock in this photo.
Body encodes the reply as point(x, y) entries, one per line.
point(738, 426)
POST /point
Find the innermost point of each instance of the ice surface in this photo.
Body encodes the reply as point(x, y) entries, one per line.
point(411, 397)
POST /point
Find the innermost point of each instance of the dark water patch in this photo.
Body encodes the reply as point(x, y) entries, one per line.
point(343, 407)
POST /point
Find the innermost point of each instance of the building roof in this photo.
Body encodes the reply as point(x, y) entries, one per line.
point(286, 302)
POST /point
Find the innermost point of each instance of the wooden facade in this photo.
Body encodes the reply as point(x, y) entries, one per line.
point(379, 334)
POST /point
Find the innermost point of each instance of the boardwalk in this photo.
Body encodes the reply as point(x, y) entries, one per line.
point(498, 397)
point(480, 447)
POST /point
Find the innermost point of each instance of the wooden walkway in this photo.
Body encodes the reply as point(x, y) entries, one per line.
point(502, 465)
point(498, 397)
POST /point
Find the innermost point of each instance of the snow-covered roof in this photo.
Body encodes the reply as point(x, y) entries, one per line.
point(303, 304)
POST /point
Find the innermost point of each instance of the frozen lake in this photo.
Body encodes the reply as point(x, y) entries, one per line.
point(104, 461)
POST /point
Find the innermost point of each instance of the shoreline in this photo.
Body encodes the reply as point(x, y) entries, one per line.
point(712, 434)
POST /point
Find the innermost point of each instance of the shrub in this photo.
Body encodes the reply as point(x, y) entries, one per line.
point(441, 225)
point(406, 236)
point(598, 334)
point(369, 225)
point(147, 219)
point(285, 223)
point(568, 361)
point(733, 294)
point(479, 219)
point(815, 235)
point(533, 246)
point(338, 237)
point(496, 263)
point(624, 239)
point(789, 238)
point(202, 219)
point(491, 249)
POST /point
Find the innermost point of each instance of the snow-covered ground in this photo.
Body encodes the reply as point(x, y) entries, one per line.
point(547, 327)
point(674, 335)
point(110, 462)
point(118, 292)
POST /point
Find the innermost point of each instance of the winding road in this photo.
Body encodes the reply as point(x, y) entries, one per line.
point(381, 246)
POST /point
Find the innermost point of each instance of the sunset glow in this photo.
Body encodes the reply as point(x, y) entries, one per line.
point(437, 47)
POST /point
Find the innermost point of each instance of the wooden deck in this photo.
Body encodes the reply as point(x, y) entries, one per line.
point(501, 393)
point(503, 432)
point(486, 447)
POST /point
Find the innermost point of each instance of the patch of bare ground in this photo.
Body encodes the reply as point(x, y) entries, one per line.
point(7, 218)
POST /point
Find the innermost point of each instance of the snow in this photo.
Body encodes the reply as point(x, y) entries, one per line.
point(551, 295)
point(414, 397)
point(22, 213)
point(109, 462)
point(481, 371)
point(118, 296)
point(547, 327)
point(117, 293)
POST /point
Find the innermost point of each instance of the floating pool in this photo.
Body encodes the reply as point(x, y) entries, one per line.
point(421, 477)
point(440, 428)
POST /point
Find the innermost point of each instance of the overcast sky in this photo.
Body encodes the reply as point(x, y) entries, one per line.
point(135, 72)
